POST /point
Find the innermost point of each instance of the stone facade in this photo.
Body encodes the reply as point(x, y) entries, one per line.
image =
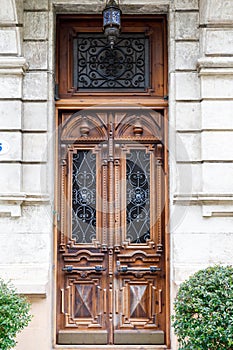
point(200, 43)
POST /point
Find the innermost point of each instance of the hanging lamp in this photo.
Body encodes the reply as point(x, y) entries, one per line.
point(112, 21)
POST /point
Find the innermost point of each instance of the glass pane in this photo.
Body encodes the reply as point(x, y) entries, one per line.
point(84, 197)
point(138, 196)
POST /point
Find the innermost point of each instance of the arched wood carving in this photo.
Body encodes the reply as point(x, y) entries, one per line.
point(94, 124)
point(139, 124)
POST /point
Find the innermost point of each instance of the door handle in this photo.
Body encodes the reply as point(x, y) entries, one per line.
point(97, 268)
point(125, 269)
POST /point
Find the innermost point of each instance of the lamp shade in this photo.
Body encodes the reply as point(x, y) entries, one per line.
point(112, 21)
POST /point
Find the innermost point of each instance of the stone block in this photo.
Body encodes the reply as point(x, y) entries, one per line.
point(188, 116)
point(27, 277)
point(10, 178)
point(34, 178)
point(217, 86)
point(217, 145)
point(217, 177)
point(188, 147)
point(35, 116)
point(218, 42)
point(181, 272)
point(36, 25)
point(25, 248)
point(186, 4)
point(36, 5)
point(216, 12)
point(187, 86)
point(180, 176)
point(35, 219)
point(191, 248)
point(10, 115)
point(35, 86)
point(14, 140)
point(187, 24)
point(217, 115)
point(189, 178)
point(10, 86)
point(192, 221)
point(34, 147)
point(9, 41)
point(187, 54)
point(221, 248)
point(7, 13)
point(36, 54)
point(20, 10)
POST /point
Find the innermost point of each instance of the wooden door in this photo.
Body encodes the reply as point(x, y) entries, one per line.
point(111, 257)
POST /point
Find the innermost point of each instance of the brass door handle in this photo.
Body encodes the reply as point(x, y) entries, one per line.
point(97, 268)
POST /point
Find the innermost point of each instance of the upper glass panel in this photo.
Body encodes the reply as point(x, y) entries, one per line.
point(84, 197)
point(138, 196)
point(98, 67)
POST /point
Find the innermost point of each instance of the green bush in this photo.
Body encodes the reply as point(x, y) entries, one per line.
point(203, 317)
point(14, 315)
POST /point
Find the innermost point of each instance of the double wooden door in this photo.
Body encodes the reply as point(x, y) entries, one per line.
point(111, 265)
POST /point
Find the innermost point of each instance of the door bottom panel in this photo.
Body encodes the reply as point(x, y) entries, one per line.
point(139, 337)
point(111, 347)
point(82, 337)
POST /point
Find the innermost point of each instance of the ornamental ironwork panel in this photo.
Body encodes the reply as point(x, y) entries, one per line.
point(98, 67)
point(84, 197)
point(138, 196)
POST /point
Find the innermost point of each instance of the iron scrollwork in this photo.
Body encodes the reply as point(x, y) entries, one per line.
point(138, 196)
point(84, 197)
point(97, 66)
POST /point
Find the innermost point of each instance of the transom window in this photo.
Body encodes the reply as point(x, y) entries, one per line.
point(88, 66)
point(98, 67)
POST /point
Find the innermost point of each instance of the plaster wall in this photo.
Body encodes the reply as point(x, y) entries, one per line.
point(200, 142)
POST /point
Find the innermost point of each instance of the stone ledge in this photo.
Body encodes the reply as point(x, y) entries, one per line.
point(220, 205)
point(28, 278)
point(13, 65)
point(10, 204)
point(215, 66)
point(32, 289)
point(135, 6)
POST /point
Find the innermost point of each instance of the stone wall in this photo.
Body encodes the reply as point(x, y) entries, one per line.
point(25, 201)
point(200, 46)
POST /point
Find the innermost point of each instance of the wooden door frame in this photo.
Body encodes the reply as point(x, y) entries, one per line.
point(84, 102)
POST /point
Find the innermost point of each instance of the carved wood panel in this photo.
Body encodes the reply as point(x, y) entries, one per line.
point(138, 303)
point(111, 264)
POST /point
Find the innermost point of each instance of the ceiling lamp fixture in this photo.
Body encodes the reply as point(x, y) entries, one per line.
point(112, 21)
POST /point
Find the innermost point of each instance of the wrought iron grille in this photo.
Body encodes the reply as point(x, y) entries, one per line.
point(138, 196)
point(98, 67)
point(84, 197)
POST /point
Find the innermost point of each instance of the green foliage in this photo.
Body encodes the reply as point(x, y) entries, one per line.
point(14, 315)
point(204, 310)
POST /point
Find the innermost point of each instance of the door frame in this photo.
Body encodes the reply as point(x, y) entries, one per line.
point(86, 102)
point(60, 107)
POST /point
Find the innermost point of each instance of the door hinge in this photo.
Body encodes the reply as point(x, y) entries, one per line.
point(56, 92)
